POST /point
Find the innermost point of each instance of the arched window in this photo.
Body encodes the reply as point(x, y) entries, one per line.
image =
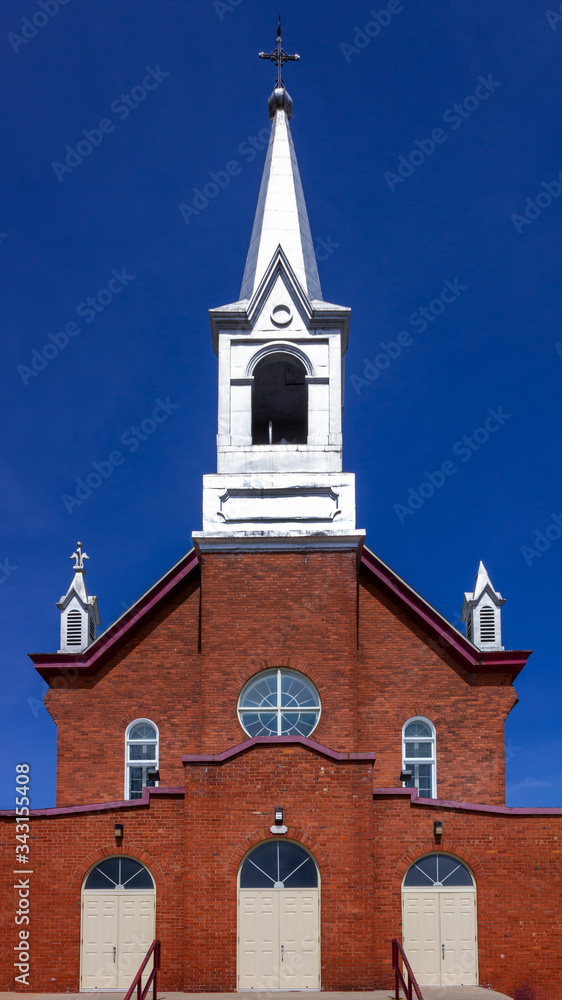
point(279, 703)
point(418, 757)
point(279, 401)
point(119, 873)
point(438, 871)
point(278, 864)
point(141, 757)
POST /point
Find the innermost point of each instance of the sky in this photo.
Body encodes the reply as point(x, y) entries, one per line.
point(429, 144)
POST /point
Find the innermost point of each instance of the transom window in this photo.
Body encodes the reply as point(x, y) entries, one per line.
point(279, 703)
point(278, 864)
point(438, 870)
point(119, 873)
point(419, 756)
point(141, 757)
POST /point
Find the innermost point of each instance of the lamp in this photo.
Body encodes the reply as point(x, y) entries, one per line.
point(278, 815)
point(118, 831)
point(406, 774)
point(438, 828)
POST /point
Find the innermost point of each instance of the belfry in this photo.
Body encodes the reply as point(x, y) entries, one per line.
point(281, 768)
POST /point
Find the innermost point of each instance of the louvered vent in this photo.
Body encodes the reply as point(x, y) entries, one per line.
point(74, 628)
point(469, 628)
point(92, 630)
point(487, 625)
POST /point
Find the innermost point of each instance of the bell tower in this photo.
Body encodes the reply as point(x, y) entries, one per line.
point(279, 480)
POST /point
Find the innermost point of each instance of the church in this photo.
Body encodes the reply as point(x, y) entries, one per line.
point(281, 757)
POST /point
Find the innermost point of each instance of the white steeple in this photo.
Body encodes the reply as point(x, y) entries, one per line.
point(481, 612)
point(279, 480)
point(79, 612)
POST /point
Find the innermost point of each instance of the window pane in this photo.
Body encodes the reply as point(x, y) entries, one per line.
point(418, 749)
point(421, 779)
point(297, 692)
point(262, 693)
point(142, 751)
point(438, 869)
point(142, 731)
point(135, 875)
point(298, 723)
point(417, 729)
point(259, 723)
point(104, 876)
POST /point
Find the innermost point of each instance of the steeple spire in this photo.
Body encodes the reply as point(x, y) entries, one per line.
point(281, 218)
point(481, 612)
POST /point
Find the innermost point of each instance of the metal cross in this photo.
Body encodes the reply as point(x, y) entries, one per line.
point(279, 56)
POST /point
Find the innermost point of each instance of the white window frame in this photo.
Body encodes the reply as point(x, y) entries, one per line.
point(421, 760)
point(135, 763)
point(278, 710)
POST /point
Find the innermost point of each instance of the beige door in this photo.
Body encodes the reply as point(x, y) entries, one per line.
point(278, 939)
point(117, 931)
point(439, 934)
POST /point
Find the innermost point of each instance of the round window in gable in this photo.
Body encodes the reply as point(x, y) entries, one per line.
point(279, 703)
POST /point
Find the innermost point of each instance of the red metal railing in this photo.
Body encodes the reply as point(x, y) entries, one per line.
point(137, 981)
point(399, 981)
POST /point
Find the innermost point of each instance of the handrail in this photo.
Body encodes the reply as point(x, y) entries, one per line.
point(399, 981)
point(137, 981)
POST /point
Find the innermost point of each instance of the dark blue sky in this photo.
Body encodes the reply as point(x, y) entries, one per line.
point(365, 101)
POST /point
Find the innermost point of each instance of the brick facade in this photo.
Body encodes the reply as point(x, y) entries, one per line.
point(182, 663)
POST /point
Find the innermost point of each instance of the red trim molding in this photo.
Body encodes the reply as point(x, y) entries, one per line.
point(256, 741)
point(448, 639)
point(90, 661)
point(147, 794)
point(415, 800)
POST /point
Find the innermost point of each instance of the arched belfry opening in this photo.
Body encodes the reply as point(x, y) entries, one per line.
point(280, 401)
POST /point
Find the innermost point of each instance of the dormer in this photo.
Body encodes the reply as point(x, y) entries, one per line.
point(79, 613)
point(482, 613)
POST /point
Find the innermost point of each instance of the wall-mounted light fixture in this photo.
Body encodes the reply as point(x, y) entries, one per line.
point(153, 775)
point(438, 829)
point(118, 831)
point(278, 826)
point(406, 774)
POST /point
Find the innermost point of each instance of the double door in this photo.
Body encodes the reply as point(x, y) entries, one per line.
point(278, 939)
point(439, 936)
point(117, 931)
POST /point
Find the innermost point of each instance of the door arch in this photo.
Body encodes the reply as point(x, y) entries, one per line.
point(278, 918)
point(439, 930)
point(118, 922)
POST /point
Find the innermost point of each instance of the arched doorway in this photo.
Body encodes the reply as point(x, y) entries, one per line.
point(118, 923)
point(439, 921)
point(278, 919)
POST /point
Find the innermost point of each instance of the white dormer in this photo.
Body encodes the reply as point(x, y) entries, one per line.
point(481, 612)
point(79, 612)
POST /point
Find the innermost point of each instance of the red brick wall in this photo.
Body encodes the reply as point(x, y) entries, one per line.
point(373, 668)
point(363, 850)
point(516, 861)
point(328, 808)
point(62, 850)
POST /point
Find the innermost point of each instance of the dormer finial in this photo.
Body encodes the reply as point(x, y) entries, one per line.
point(79, 556)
